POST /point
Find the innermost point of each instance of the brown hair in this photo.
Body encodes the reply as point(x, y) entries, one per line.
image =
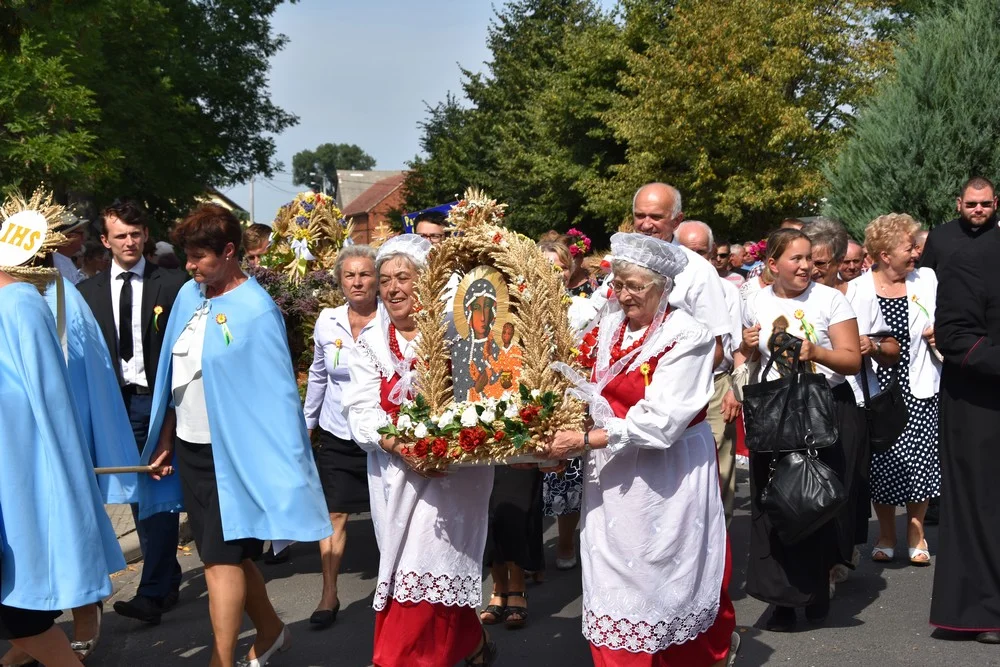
point(208, 227)
point(560, 249)
point(887, 231)
point(125, 210)
point(779, 240)
point(255, 236)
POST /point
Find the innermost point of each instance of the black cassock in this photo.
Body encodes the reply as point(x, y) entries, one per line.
point(967, 331)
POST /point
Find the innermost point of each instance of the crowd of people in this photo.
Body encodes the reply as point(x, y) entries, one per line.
point(679, 325)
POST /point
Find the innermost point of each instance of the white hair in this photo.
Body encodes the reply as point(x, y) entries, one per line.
point(677, 207)
point(700, 225)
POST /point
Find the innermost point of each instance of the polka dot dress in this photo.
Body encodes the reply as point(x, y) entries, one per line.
point(911, 470)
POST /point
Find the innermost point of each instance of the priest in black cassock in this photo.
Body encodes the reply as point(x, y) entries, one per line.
point(977, 212)
point(967, 332)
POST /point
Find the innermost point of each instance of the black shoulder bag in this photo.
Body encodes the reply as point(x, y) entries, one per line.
point(791, 413)
point(802, 493)
point(885, 412)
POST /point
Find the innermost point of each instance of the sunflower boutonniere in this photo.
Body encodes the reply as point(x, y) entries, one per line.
point(157, 311)
point(227, 335)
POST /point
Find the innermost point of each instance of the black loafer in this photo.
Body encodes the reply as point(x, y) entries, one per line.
point(991, 637)
point(782, 620)
point(140, 608)
point(271, 559)
point(816, 613)
point(324, 618)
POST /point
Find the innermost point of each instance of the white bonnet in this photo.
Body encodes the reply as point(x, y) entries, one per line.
point(649, 252)
point(412, 245)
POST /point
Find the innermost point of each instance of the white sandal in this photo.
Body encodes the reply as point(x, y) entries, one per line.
point(924, 555)
point(883, 554)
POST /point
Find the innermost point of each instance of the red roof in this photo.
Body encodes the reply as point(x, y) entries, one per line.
point(374, 195)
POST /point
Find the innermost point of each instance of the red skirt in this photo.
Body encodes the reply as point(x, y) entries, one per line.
point(706, 649)
point(421, 634)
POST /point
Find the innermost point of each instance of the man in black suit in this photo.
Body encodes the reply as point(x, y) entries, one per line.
point(132, 302)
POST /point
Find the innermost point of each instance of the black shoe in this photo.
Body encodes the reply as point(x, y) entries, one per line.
point(271, 559)
point(816, 613)
point(170, 601)
point(140, 608)
point(782, 620)
point(324, 618)
point(991, 637)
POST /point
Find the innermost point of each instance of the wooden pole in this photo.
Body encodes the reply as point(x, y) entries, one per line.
point(126, 469)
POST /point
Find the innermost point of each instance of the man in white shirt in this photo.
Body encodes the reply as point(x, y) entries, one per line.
point(132, 303)
point(724, 409)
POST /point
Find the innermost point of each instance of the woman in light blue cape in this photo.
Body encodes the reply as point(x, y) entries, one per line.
point(97, 396)
point(58, 546)
point(226, 412)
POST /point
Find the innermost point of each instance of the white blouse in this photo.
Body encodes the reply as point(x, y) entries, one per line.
point(187, 385)
point(431, 532)
point(653, 531)
point(333, 345)
point(921, 301)
point(870, 321)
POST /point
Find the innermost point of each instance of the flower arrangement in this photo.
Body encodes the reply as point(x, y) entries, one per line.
point(471, 432)
point(758, 250)
point(580, 244)
point(307, 233)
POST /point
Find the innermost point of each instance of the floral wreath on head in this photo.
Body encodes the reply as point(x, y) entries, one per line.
point(580, 244)
point(758, 250)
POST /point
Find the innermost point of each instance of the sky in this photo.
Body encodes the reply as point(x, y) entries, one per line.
point(363, 72)
point(360, 72)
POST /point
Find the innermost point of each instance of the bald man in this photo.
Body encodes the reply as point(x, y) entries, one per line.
point(724, 409)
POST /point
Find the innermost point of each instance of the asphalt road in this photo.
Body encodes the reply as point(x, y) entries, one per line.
point(878, 617)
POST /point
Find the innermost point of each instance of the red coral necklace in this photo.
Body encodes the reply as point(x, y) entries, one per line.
point(616, 349)
point(393, 343)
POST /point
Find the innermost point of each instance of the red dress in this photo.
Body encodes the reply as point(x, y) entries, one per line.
point(709, 647)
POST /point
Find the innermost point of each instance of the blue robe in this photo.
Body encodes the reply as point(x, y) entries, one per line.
point(58, 546)
point(268, 485)
point(97, 397)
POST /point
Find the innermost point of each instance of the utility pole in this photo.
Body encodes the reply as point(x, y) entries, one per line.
point(251, 199)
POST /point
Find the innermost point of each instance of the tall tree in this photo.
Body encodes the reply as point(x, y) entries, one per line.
point(738, 105)
point(330, 158)
point(930, 127)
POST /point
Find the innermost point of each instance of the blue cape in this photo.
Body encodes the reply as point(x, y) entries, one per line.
point(97, 397)
point(58, 544)
point(264, 467)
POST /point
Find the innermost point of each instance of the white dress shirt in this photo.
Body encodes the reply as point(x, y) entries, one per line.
point(187, 383)
point(134, 370)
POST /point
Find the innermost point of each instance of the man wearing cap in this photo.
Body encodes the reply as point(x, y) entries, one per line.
point(132, 303)
point(72, 228)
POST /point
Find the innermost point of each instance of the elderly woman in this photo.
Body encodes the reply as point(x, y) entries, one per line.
point(57, 546)
point(790, 576)
point(654, 548)
point(234, 427)
point(829, 246)
point(431, 529)
point(910, 472)
point(342, 464)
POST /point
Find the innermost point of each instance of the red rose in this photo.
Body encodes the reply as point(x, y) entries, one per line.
point(497, 238)
point(499, 435)
point(421, 448)
point(522, 287)
point(405, 451)
point(467, 440)
point(528, 413)
point(440, 447)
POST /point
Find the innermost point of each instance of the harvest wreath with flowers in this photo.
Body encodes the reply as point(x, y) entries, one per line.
point(502, 426)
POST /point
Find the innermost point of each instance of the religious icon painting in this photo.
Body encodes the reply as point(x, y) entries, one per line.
point(486, 359)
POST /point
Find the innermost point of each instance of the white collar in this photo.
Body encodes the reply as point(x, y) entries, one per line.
point(139, 269)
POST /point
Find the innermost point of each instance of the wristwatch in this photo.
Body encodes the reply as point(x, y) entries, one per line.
point(586, 441)
point(878, 347)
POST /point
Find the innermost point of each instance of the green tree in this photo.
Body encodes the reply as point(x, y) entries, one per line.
point(739, 104)
point(931, 126)
point(330, 158)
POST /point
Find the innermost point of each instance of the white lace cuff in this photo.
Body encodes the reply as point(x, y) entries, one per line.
point(617, 435)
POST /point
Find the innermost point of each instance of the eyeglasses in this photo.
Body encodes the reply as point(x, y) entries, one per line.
point(973, 204)
point(635, 289)
point(722, 255)
point(433, 237)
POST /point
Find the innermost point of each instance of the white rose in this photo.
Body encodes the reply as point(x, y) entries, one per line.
point(506, 397)
point(404, 423)
point(535, 393)
point(489, 416)
point(511, 411)
point(470, 417)
point(420, 431)
point(446, 418)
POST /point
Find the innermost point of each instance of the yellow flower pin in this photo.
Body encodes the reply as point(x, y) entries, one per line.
point(799, 314)
point(336, 356)
point(157, 311)
point(644, 369)
point(227, 335)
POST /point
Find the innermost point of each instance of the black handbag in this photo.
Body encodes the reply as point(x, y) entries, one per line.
point(885, 412)
point(808, 422)
point(802, 493)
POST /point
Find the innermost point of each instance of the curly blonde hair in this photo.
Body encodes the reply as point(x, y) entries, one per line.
point(887, 231)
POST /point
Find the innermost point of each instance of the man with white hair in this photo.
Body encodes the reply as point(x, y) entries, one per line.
point(723, 409)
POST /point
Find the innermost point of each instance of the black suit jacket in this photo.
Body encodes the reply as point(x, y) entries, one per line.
point(159, 288)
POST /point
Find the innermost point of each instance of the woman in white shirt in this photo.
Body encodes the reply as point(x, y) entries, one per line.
point(653, 543)
point(341, 463)
point(790, 576)
point(431, 528)
point(909, 473)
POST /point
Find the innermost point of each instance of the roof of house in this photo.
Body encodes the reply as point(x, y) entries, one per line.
point(374, 195)
point(350, 184)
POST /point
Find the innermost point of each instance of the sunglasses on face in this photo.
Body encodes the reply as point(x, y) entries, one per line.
point(973, 204)
point(722, 255)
